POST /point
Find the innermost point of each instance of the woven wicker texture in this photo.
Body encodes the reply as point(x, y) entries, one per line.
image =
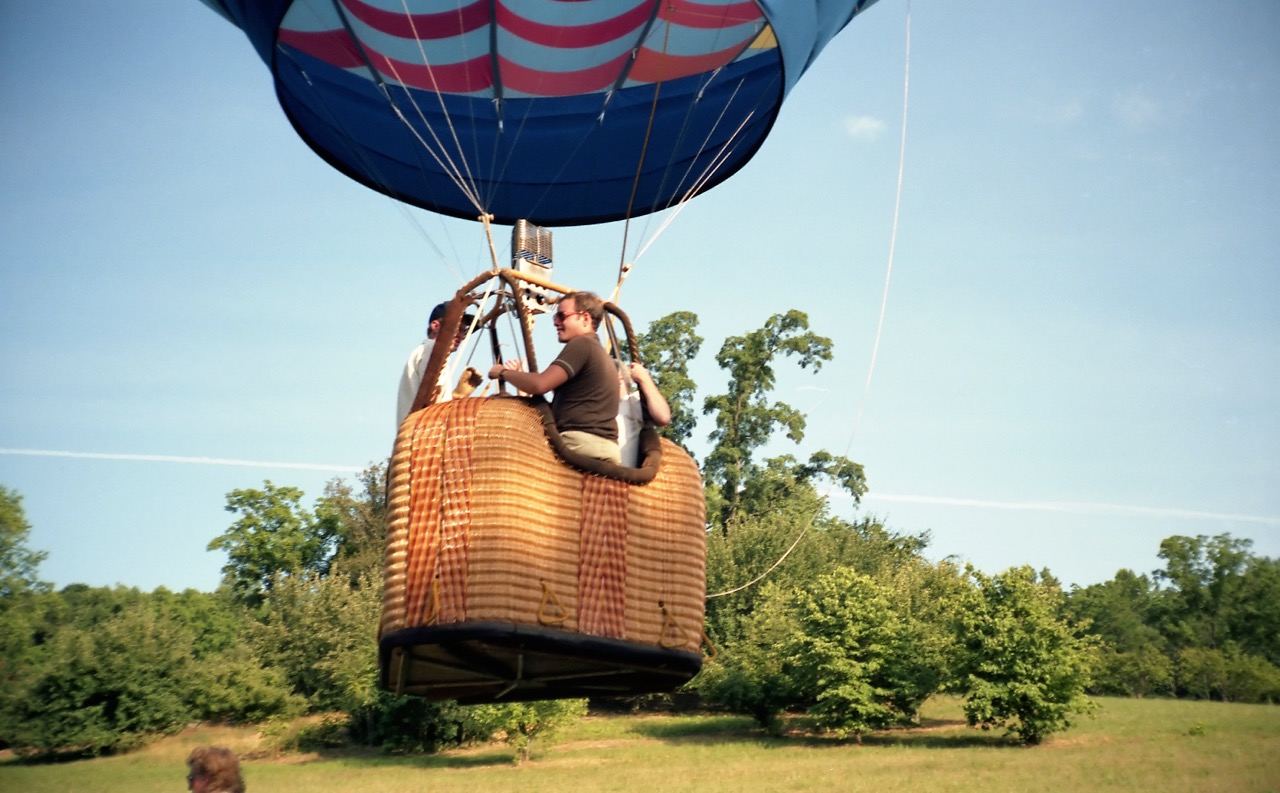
point(488, 524)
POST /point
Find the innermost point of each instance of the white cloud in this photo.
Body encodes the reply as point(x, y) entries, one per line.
point(863, 127)
point(1062, 114)
point(1134, 109)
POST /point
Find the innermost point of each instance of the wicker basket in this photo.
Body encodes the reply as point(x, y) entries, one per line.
point(511, 574)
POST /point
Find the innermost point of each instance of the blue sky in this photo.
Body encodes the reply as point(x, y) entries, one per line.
point(1080, 352)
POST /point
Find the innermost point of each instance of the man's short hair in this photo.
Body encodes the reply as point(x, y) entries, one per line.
point(219, 766)
point(438, 312)
point(589, 302)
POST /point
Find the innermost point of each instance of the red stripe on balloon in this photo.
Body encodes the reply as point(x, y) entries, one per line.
point(708, 16)
point(543, 83)
point(652, 66)
point(574, 36)
point(334, 47)
point(440, 25)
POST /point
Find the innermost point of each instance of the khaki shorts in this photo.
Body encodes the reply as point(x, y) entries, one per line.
point(592, 446)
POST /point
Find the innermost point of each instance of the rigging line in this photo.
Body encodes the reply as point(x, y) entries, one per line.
point(713, 166)
point(446, 165)
point(696, 188)
point(376, 77)
point(644, 150)
point(472, 193)
point(370, 166)
point(697, 99)
point(679, 204)
point(452, 266)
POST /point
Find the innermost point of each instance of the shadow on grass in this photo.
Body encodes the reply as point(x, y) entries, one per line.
point(929, 734)
point(485, 757)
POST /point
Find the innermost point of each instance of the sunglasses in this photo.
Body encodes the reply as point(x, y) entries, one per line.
point(561, 316)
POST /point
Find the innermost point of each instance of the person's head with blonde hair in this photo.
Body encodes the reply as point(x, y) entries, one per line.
point(214, 769)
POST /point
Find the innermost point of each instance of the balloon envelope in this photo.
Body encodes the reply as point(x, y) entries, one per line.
point(559, 111)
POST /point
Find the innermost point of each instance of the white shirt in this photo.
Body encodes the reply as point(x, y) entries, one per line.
point(411, 379)
point(630, 422)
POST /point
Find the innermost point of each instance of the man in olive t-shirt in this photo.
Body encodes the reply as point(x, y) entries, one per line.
point(584, 378)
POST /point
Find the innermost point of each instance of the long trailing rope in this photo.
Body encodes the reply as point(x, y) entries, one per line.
point(893, 240)
point(884, 302)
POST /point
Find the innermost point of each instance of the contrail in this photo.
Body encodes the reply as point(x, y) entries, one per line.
point(1074, 507)
point(1069, 507)
point(166, 458)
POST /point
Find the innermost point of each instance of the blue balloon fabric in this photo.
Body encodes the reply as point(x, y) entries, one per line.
point(561, 112)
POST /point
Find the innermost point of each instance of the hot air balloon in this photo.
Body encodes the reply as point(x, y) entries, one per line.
point(515, 569)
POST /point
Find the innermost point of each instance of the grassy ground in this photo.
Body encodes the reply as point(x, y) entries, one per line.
point(1129, 745)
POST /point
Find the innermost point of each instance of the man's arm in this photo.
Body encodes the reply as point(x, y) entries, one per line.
point(654, 402)
point(548, 379)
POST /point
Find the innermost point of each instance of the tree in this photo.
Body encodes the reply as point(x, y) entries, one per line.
point(751, 672)
point(18, 563)
point(1205, 577)
point(358, 522)
point(1133, 673)
point(744, 418)
point(320, 633)
point(1020, 666)
point(20, 592)
point(1255, 625)
point(858, 655)
point(519, 723)
point(666, 348)
point(106, 688)
point(273, 535)
point(1118, 611)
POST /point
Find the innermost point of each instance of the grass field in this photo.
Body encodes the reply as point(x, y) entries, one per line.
point(1130, 745)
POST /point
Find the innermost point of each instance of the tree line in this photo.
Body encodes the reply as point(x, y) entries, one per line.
point(846, 622)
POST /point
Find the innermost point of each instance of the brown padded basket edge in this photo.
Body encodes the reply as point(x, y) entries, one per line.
point(487, 524)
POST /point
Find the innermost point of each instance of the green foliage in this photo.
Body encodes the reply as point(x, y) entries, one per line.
point(357, 519)
point(319, 633)
point(854, 655)
point(752, 670)
point(1206, 673)
point(1020, 665)
point(107, 688)
point(519, 723)
point(274, 535)
point(1255, 626)
point(18, 563)
point(1202, 606)
point(105, 669)
point(404, 725)
point(792, 543)
point(666, 349)
point(858, 652)
point(232, 686)
point(1119, 611)
point(745, 420)
point(1215, 613)
point(1133, 673)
